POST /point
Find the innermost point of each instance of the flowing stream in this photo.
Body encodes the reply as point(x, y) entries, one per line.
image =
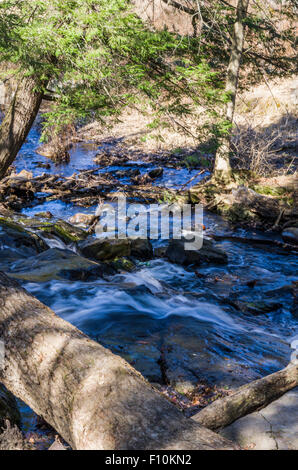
point(177, 326)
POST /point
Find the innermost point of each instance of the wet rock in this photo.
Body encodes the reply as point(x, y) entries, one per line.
point(141, 249)
point(290, 235)
point(58, 264)
point(105, 249)
point(138, 343)
point(8, 408)
point(209, 253)
point(20, 236)
point(63, 230)
point(82, 219)
point(156, 173)
point(24, 174)
point(44, 215)
point(123, 265)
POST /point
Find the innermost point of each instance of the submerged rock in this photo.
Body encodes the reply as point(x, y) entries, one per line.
point(8, 408)
point(209, 253)
point(290, 235)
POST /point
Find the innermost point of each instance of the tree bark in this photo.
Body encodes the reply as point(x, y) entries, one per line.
point(19, 119)
point(222, 166)
point(93, 398)
point(249, 398)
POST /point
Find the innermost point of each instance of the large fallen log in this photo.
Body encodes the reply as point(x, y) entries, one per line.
point(248, 398)
point(93, 398)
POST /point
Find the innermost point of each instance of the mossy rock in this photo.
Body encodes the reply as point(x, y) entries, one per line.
point(63, 230)
point(24, 236)
point(123, 264)
point(105, 249)
point(58, 264)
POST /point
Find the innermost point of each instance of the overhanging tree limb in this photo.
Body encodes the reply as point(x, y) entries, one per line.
point(19, 119)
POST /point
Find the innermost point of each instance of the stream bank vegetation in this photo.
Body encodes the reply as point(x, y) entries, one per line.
point(208, 87)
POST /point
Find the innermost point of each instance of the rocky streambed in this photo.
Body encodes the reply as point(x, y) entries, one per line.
point(195, 326)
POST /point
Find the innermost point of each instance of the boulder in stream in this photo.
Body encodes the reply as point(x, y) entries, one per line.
point(58, 264)
point(141, 248)
point(209, 253)
point(105, 249)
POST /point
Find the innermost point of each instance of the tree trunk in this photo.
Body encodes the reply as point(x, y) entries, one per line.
point(19, 119)
point(222, 167)
point(249, 398)
point(93, 398)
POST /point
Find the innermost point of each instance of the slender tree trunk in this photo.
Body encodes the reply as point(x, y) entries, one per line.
point(222, 167)
point(18, 120)
point(93, 398)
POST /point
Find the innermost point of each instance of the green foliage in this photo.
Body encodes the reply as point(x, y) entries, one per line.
point(99, 57)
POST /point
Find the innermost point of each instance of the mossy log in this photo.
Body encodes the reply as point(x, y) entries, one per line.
point(93, 398)
point(248, 398)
